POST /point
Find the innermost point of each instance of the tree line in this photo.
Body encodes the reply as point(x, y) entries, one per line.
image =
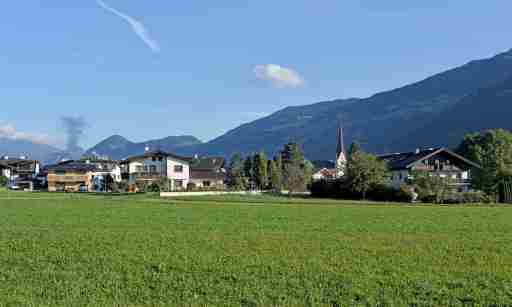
point(287, 170)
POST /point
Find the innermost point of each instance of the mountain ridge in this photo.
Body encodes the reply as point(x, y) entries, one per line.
point(118, 147)
point(376, 122)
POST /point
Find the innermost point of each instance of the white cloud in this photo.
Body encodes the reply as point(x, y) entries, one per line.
point(279, 77)
point(137, 26)
point(8, 131)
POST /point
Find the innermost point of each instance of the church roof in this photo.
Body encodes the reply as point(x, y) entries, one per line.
point(340, 146)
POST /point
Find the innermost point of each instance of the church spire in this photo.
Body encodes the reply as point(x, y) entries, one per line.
point(341, 157)
point(340, 148)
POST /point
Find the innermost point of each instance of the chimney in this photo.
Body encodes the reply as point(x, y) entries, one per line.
point(146, 149)
point(418, 150)
point(196, 156)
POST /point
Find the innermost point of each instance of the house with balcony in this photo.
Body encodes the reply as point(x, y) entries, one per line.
point(437, 161)
point(70, 176)
point(208, 173)
point(21, 172)
point(153, 166)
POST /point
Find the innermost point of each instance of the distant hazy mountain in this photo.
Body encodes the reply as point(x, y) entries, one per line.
point(17, 148)
point(118, 147)
point(385, 122)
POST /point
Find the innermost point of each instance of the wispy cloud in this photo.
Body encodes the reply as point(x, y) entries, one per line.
point(137, 26)
point(8, 131)
point(279, 77)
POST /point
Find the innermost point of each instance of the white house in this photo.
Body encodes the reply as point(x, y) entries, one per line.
point(157, 165)
point(437, 161)
point(21, 171)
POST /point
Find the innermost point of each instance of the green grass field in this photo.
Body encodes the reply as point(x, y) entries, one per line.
point(76, 250)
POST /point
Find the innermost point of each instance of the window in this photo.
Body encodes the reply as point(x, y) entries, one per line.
point(153, 159)
point(207, 184)
point(152, 169)
point(160, 158)
point(178, 184)
point(178, 168)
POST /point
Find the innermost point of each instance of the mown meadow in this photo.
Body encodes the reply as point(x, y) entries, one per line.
point(75, 250)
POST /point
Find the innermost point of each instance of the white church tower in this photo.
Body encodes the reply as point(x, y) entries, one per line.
point(341, 156)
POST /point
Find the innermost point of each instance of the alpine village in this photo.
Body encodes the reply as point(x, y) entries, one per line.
point(431, 175)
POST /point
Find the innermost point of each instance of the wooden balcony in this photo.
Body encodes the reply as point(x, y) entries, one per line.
point(67, 178)
point(147, 176)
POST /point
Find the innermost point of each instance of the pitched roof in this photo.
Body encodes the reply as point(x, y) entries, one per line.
point(209, 163)
point(71, 166)
point(405, 160)
point(13, 162)
point(158, 153)
point(326, 173)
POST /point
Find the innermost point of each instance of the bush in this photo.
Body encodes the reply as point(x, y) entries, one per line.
point(322, 189)
point(192, 187)
point(120, 187)
point(475, 197)
point(382, 192)
point(340, 189)
point(153, 188)
point(4, 181)
point(405, 194)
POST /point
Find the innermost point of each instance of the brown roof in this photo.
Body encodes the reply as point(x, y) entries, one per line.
point(71, 166)
point(208, 163)
point(158, 153)
point(406, 160)
point(327, 172)
point(206, 175)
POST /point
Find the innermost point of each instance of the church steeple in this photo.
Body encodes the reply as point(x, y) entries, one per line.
point(341, 157)
point(340, 148)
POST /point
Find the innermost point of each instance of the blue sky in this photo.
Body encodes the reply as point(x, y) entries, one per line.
point(149, 69)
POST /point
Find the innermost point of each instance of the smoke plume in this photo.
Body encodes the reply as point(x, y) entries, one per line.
point(74, 128)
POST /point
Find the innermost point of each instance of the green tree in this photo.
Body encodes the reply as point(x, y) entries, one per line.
point(292, 154)
point(294, 177)
point(431, 187)
point(279, 162)
point(249, 172)
point(236, 173)
point(3, 181)
point(354, 150)
point(260, 170)
point(309, 169)
point(276, 176)
point(492, 150)
point(365, 171)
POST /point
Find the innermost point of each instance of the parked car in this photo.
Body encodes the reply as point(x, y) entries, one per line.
point(14, 187)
